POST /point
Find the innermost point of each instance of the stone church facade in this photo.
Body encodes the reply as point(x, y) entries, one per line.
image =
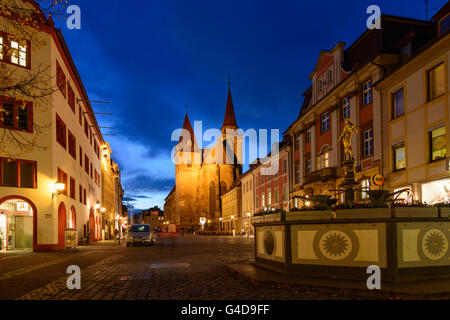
point(203, 175)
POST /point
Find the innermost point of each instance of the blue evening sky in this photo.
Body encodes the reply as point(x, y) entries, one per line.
point(150, 59)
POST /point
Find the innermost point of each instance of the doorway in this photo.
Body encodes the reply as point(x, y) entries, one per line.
point(17, 224)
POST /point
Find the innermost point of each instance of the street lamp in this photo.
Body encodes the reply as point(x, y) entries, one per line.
point(220, 224)
point(60, 186)
point(202, 222)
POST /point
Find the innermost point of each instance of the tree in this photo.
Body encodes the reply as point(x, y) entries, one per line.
point(32, 88)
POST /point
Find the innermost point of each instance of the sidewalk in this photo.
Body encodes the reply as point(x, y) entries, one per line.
point(438, 288)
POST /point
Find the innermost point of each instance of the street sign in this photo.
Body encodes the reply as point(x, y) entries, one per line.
point(378, 180)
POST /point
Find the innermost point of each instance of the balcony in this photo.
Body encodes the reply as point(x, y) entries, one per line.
point(321, 175)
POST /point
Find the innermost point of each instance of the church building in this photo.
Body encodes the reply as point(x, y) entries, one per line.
point(202, 175)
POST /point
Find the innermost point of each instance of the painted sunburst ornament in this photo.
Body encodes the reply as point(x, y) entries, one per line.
point(435, 244)
point(335, 245)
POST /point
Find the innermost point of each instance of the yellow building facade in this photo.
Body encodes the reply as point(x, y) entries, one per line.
point(416, 123)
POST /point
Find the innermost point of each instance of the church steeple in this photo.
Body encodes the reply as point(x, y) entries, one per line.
point(230, 119)
point(187, 126)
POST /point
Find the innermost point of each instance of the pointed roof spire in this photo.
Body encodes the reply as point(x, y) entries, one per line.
point(187, 126)
point(230, 119)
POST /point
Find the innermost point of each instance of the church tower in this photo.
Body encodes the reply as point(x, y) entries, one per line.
point(187, 173)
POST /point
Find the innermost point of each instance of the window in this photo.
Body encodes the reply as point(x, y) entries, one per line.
point(269, 198)
point(308, 166)
point(323, 160)
point(8, 115)
point(81, 157)
point(80, 192)
point(320, 85)
point(251, 185)
point(325, 122)
point(367, 93)
point(16, 115)
point(399, 157)
point(86, 164)
point(60, 79)
point(86, 128)
point(19, 53)
point(346, 109)
point(330, 76)
point(62, 176)
point(61, 132)
point(436, 81)
point(285, 192)
point(1, 47)
point(406, 52)
point(368, 143)
point(262, 200)
point(72, 188)
point(71, 98)
point(257, 202)
point(297, 173)
point(80, 115)
point(72, 145)
point(308, 135)
point(276, 196)
point(84, 196)
point(438, 144)
point(365, 187)
point(91, 171)
point(18, 173)
point(398, 108)
point(444, 25)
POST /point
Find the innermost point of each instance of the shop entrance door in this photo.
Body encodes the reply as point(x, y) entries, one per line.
point(24, 232)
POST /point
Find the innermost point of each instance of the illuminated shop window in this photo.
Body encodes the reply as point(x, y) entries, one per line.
point(438, 144)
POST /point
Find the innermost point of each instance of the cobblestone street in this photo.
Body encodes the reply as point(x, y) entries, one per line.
point(190, 267)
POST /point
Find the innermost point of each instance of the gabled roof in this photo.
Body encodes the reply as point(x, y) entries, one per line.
point(230, 119)
point(324, 53)
point(188, 127)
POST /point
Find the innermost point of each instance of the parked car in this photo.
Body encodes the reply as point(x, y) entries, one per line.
point(140, 234)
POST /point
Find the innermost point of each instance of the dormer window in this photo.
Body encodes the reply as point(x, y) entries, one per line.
point(320, 86)
point(406, 52)
point(444, 25)
point(330, 76)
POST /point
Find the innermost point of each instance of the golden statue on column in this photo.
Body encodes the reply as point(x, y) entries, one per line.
point(346, 138)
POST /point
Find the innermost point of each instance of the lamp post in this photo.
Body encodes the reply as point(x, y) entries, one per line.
point(220, 224)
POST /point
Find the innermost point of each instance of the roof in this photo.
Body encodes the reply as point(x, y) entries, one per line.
point(188, 127)
point(371, 44)
point(442, 12)
point(230, 118)
point(171, 192)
